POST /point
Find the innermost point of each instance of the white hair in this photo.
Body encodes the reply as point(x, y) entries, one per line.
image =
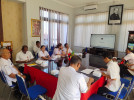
point(1, 51)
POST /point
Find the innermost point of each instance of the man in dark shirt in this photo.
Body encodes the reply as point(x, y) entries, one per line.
point(115, 15)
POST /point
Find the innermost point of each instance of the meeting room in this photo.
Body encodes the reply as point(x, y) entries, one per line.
point(66, 49)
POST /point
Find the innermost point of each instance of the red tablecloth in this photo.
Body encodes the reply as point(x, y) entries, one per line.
point(46, 80)
point(50, 82)
point(93, 89)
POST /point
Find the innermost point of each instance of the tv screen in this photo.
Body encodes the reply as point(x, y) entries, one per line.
point(106, 41)
point(131, 46)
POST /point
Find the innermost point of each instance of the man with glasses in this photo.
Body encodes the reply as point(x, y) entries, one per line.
point(71, 83)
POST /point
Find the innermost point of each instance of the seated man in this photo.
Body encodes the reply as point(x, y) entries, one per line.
point(67, 49)
point(43, 54)
point(71, 83)
point(36, 48)
point(58, 51)
point(8, 68)
point(24, 56)
point(127, 69)
point(113, 76)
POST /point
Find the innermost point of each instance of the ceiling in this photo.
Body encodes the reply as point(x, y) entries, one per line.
point(79, 3)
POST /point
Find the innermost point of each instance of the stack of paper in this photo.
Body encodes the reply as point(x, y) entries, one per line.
point(87, 71)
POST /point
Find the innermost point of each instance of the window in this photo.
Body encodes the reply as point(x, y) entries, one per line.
point(54, 27)
point(85, 25)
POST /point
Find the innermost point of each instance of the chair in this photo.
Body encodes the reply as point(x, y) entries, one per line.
point(50, 52)
point(122, 94)
point(99, 97)
point(46, 48)
point(52, 48)
point(130, 88)
point(3, 78)
point(125, 93)
point(125, 81)
point(32, 92)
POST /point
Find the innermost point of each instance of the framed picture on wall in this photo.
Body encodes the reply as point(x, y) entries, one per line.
point(35, 28)
point(115, 14)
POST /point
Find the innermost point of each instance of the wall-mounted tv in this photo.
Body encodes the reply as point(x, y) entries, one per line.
point(106, 41)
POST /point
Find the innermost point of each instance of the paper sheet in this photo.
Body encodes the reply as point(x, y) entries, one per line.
point(87, 71)
point(86, 78)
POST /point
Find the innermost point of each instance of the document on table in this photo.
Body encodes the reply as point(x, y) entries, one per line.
point(87, 71)
point(86, 78)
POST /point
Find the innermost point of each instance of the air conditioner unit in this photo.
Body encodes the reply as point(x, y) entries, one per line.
point(91, 7)
point(22, 1)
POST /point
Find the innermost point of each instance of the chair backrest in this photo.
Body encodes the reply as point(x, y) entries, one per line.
point(130, 88)
point(2, 76)
point(119, 91)
point(50, 52)
point(52, 47)
point(46, 48)
point(22, 85)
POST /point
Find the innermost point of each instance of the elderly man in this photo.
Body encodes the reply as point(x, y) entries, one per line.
point(71, 83)
point(8, 68)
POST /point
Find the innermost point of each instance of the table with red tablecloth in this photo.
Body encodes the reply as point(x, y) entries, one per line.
point(50, 82)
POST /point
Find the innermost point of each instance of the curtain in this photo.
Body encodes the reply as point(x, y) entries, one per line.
point(85, 25)
point(54, 27)
point(127, 25)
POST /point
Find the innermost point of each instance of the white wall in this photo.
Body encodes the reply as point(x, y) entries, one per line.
point(32, 12)
point(112, 29)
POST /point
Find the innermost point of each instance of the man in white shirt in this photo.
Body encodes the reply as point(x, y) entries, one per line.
point(67, 49)
point(8, 68)
point(24, 56)
point(113, 75)
point(36, 48)
point(128, 69)
point(43, 54)
point(70, 83)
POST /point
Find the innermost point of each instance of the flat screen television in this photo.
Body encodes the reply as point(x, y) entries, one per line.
point(131, 46)
point(106, 41)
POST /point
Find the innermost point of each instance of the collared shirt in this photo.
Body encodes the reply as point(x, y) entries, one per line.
point(70, 85)
point(24, 56)
point(7, 68)
point(36, 49)
point(130, 58)
point(43, 54)
point(113, 71)
point(56, 51)
point(69, 50)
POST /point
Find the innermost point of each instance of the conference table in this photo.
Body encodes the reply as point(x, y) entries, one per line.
point(42, 76)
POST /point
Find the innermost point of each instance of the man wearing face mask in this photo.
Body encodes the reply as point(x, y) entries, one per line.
point(71, 83)
point(24, 56)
